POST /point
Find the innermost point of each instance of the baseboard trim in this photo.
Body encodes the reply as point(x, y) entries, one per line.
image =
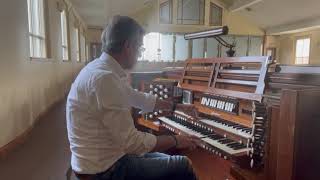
point(22, 138)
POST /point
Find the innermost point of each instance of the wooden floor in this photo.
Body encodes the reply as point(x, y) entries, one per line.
point(208, 166)
point(45, 155)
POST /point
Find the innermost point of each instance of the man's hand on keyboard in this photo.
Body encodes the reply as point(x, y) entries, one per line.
point(187, 142)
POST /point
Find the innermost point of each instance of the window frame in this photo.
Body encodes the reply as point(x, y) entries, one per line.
point(82, 40)
point(295, 49)
point(66, 31)
point(212, 5)
point(87, 51)
point(78, 44)
point(201, 20)
point(161, 5)
point(46, 35)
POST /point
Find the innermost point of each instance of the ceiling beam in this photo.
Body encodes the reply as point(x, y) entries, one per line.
point(294, 27)
point(242, 4)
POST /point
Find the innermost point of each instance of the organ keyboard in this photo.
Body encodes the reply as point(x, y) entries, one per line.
point(225, 87)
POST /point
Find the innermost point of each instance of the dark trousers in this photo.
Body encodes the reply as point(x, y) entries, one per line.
point(151, 166)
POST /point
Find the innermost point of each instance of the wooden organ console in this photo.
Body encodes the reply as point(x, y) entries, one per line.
point(256, 122)
point(231, 119)
point(164, 89)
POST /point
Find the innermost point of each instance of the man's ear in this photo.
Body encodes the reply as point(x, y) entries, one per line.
point(126, 44)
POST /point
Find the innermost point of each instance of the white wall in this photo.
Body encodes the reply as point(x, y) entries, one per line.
point(28, 88)
point(286, 47)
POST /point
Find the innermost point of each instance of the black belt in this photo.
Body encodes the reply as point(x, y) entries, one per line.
point(103, 175)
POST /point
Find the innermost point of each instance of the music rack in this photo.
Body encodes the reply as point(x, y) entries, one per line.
point(223, 75)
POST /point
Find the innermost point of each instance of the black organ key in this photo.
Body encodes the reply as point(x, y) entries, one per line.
point(216, 137)
point(225, 141)
point(241, 146)
point(232, 144)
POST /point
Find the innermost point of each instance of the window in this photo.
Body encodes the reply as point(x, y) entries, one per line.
point(83, 47)
point(151, 44)
point(191, 12)
point(212, 48)
point(77, 44)
point(87, 52)
point(37, 30)
point(215, 15)
point(158, 47)
point(242, 46)
point(166, 12)
point(302, 51)
point(166, 46)
point(255, 47)
point(198, 48)
point(181, 48)
point(64, 35)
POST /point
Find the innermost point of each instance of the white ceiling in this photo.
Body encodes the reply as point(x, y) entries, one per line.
point(97, 12)
point(272, 13)
point(267, 14)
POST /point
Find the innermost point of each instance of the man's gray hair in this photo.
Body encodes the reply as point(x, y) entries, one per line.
point(119, 30)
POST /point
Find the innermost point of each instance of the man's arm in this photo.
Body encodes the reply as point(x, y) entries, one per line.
point(140, 100)
point(120, 124)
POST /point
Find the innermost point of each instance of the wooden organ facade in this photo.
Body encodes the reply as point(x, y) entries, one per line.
point(255, 120)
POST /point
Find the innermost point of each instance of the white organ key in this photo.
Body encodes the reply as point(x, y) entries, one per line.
point(155, 89)
point(161, 92)
point(219, 104)
point(161, 98)
point(251, 163)
point(150, 92)
point(160, 86)
point(226, 107)
point(222, 105)
point(259, 118)
point(206, 101)
point(203, 100)
point(208, 140)
point(226, 128)
point(212, 103)
point(165, 96)
point(180, 127)
point(223, 147)
point(155, 113)
point(215, 103)
point(165, 90)
point(232, 107)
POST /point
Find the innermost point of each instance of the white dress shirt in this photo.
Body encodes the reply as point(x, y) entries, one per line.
point(100, 127)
